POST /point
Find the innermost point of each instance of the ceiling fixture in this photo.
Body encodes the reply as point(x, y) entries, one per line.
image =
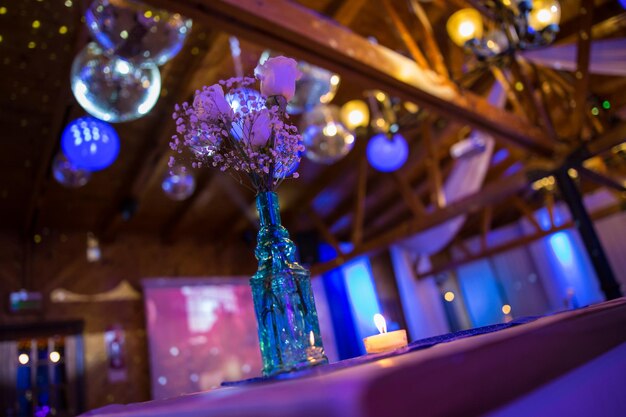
point(519, 25)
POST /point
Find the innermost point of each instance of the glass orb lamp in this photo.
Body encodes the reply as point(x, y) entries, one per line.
point(66, 174)
point(179, 184)
point(387, 154)
point(355, 114)
point(113, 89)
point(136, 31)
point(544, 13)
point(90, 144)
point(465, 25)
point(327, 143)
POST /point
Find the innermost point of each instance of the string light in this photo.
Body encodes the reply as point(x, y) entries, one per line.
point(36, 24)
point(68, 3)
point(595, 111)
point(63, 30)
point(449, 296)
point(31, 45)
point(23, 359)
point(3, 10)
point(606, 104)
point(55, 356)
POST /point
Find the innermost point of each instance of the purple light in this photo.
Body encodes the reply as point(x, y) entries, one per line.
point(387, 154)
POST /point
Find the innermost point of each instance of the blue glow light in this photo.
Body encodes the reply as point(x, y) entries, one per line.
point(481, 293)
point(623, 3)
point(562, 248)
point(362, 295)
point(387, 154)
point(500, 156)
point(90, 144)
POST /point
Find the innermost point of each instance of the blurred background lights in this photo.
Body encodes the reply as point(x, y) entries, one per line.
point(90, 144)
point(355, 114)
point(23, 358)
point(387, 154)
point(506, 309)
point(55, 356)
point(449, 296)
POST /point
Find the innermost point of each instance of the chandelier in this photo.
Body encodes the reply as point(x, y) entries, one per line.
point(517, 25)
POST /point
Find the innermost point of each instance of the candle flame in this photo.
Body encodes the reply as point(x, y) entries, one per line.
point(312, 338)
point(380, 322)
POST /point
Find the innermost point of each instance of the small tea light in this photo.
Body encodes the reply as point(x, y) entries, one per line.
point(314, 353)
point(384, 341)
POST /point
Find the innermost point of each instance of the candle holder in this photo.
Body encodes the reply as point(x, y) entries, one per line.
point(385, 341)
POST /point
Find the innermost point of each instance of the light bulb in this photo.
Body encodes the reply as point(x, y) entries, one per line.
point(464, 25)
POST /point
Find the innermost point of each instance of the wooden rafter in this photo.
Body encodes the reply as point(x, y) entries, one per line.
point(521, 69)
point(601, 179)
point(345, 11)
point(583, 56)
point(359, 203)
point(510, 92)
point(438, 198)
point(430, 43)
point(515, 243)
point(526, 211)
point(490, 194)
point(296, 30)
point(410, 198)
point(405, 35)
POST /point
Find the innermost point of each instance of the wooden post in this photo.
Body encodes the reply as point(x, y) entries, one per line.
point(584, 224)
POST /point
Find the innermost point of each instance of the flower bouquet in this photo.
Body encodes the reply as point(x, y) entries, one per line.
point(247, 134)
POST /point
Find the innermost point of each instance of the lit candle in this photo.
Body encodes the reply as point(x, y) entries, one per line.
point(313, 353)
point(384, 341)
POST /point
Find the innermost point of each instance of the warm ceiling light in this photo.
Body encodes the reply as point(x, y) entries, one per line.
point(465, 25)
point(355, 113)
point(544, 13)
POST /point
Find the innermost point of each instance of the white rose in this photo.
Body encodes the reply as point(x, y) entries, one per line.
point(210, 104)
point(278, 77)
point(254, 128)
point(261, 130)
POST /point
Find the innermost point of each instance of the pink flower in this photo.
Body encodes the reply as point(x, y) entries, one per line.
point(210, 104)
point(278, 77)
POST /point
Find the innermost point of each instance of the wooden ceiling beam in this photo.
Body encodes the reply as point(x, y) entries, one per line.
point(430, 43)
point(600, 179)
point(359, 202)
point(490, 194)
point(345, 11)
point(601, 13)
point(296, 30)
point(406, 36)
point(583, 56)
point(515, 243)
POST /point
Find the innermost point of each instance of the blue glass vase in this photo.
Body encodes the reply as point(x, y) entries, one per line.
point(289, 334)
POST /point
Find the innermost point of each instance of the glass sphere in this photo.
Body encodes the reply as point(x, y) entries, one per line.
point(315, 86)
point(179, 184)
point(67, 174)
point(112, 89)
point(90, 144)
point(387, 154)
point(137, 32)
point(327, 143)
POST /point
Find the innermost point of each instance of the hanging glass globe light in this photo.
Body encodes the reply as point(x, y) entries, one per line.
point(325, 138)
point(387, 154)
point(90, 144)
point(136, 31)
point(67, 174)
point(179, 184)
point(315, 86)
point(112, 89)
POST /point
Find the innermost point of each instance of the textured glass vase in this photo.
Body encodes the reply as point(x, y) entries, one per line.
point(289, 333)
